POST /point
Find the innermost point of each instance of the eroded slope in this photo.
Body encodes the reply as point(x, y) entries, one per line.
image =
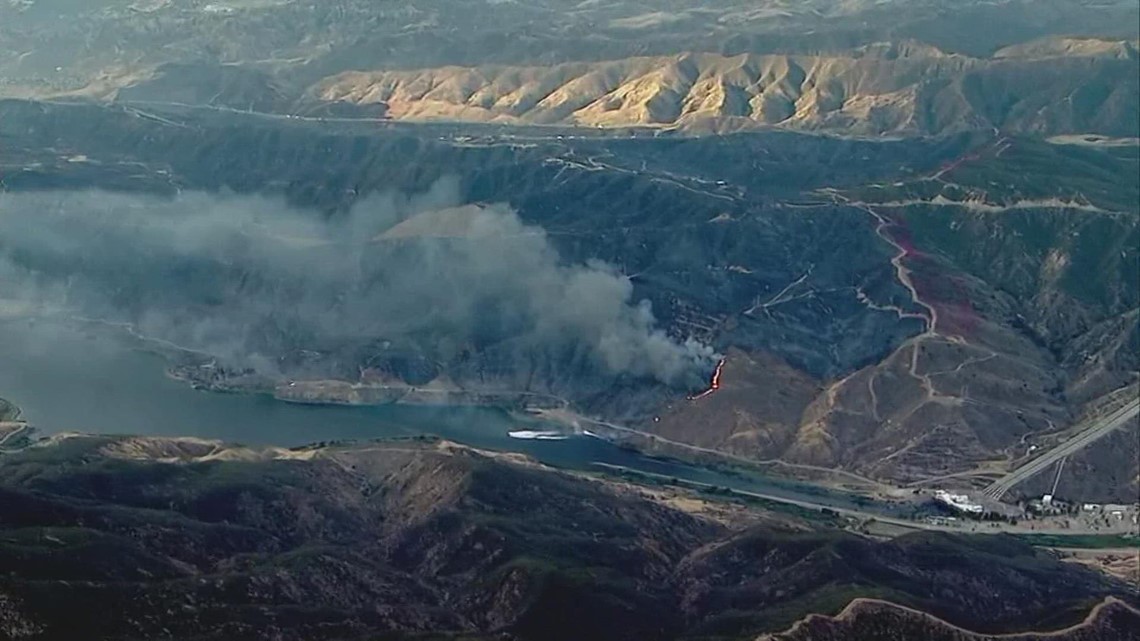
point(890, 88)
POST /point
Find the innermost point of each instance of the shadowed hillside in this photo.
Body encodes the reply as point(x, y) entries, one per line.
point(417, 536)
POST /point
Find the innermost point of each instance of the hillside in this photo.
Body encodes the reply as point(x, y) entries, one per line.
point(414, 537)
point(899, 89)
point(881, 621)
point(781, 251)
point(897, 67)
point(569, 320)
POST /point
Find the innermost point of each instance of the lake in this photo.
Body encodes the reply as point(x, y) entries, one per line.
point(71, 378)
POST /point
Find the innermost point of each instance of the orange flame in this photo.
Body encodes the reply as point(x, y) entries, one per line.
point(714, 384)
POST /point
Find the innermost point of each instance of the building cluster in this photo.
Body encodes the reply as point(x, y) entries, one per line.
point(1116, 511)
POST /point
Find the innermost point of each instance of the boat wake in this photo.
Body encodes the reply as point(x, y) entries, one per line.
point(533, 435)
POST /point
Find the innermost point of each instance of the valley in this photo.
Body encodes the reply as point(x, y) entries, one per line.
point(114, 388)
point(524, 320)
point(904, 355)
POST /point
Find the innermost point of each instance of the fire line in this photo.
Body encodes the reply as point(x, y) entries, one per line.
point(714, 384)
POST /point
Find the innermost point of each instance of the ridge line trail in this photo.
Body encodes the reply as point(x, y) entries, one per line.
point(998, 147)
point(779, 298)
point(20, 429)
point(850, 610)
point(903, 275)
point(874, 398)
point(930, 318)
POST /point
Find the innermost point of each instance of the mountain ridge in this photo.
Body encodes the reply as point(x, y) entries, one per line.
point(893, 88)
point(405, 538)
point(1106, 617)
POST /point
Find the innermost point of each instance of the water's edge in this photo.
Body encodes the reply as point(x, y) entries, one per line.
point(67, 378)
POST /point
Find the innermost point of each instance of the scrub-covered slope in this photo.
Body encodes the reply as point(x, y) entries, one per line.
point(133, 537)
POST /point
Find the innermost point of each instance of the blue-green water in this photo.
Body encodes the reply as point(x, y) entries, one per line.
point(66, 378)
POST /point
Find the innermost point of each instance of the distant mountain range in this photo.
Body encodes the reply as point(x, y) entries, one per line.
point(853, 68)
point(1047, 87)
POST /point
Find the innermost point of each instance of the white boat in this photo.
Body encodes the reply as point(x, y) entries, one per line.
point(534, 435)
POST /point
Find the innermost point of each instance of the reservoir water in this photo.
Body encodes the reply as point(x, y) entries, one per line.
point(68, 378)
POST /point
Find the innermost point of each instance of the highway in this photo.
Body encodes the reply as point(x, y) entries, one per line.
point(959, 527)
point(1090, 435)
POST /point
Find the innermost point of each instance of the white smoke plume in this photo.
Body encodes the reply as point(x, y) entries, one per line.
point(236, 276)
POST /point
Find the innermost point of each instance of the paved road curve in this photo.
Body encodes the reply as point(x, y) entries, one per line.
point(1090, 435)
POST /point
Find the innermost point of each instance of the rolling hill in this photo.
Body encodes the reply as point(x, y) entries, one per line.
point(425, 539)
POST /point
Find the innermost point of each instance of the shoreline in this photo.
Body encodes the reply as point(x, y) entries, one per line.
point(212, 377)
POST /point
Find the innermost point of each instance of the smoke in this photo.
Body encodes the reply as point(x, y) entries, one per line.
point(248, 278)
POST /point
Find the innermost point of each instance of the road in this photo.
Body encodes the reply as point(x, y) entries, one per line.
point(902, 273)
point(857, 479)
point(537, 131)
point(16, 430)
point(959, 527)
point(1090, 435)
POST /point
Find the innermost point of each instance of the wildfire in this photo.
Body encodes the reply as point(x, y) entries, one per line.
point(714, 384)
